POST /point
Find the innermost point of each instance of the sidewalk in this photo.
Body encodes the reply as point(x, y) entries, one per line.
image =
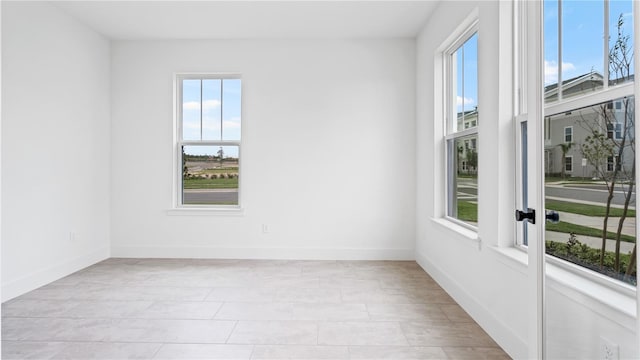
point(628, 228)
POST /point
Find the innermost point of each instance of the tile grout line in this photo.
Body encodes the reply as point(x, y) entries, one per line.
point(231, 332)
point(158, 350)
point(217, 311)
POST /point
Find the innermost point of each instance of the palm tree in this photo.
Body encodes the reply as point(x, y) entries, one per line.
point(565, 149)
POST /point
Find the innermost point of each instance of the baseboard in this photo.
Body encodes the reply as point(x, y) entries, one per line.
point(503, 335)
point(45, 276)
point(197, 252)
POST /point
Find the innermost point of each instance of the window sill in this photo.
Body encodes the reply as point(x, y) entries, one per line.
point(457, 228)
point(612, 300)
point(206, 211)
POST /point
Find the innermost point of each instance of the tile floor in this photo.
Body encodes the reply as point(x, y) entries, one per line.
point(244, 309)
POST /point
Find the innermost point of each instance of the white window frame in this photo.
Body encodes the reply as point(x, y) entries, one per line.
point(201, 209)
point(612, 162)
point(615, 132)
point(570, 163)
point(450, 121)
point(570, 128)
point(559, 106)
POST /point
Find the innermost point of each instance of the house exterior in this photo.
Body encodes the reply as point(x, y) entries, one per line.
point(566, 135)
point(467, 147)
point(592, 142)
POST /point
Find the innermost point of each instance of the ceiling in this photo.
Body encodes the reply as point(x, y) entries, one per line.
point(150, 20)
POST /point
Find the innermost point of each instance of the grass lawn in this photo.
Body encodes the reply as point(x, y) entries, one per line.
point(565, 227)
point(225, 170)
point(467, 211)
point(573, 179)
point(210, 183)
point(582, 209)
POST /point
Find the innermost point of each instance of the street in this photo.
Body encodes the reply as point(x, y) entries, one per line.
point(590, 193)
point(210, 196)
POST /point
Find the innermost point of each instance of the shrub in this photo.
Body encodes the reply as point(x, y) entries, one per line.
point(581, 254)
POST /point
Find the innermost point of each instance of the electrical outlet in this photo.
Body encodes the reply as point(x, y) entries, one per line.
point(73, 236)
point(608, 350)
point(265, 228)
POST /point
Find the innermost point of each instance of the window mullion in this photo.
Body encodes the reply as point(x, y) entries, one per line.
point(559, 50)
point(221, 111)
point(201, 107)
point(605, 46)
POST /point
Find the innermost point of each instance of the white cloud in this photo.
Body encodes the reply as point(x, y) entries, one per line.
point(551, 71)
point(466, 101)
point(211, 104)
point(191, 105)
point(232, 124)
point(195, 105)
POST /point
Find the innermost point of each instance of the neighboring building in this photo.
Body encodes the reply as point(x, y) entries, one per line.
point(566, 133)
point(570, 130)
point(468, 146)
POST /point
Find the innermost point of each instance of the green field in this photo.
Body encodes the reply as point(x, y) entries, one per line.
point(467, 211)
point(565, 227)
point(198, 183)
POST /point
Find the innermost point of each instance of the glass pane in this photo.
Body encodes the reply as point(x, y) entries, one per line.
point(551, 46)
point(191, 129)
point(470, 49)
point(210, 175)
point(591, 183)
point(525, 173)
point(211, 109)
point(463, 179)
point(231, 109)
point(620, 41)
point(466, 84)
point(582, 66)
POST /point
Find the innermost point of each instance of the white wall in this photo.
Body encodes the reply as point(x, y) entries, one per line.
point(327, 160)
point(490, 285)
point(55, 146)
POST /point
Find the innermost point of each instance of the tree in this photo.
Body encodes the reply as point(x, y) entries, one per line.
point(472, 159)
point(185, 169)
point(620, 62)
point(220, 155)
point(599, 148)
point(459, 159)
point(565, 149)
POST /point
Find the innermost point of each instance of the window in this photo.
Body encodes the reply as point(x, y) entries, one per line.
point(568, 163)
point(208, 140)
point(613, 163)
point(568, 134)
point(614, 131)
point(571, 69)
point(461, 137)
point(589, 93)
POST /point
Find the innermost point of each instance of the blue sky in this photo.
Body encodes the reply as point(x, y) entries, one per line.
point(582, 40)
point(219, 119)
point(582, 35)
point(466, 58)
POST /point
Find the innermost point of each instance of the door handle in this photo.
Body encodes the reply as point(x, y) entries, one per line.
point(552, 216)
point(528, 215)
